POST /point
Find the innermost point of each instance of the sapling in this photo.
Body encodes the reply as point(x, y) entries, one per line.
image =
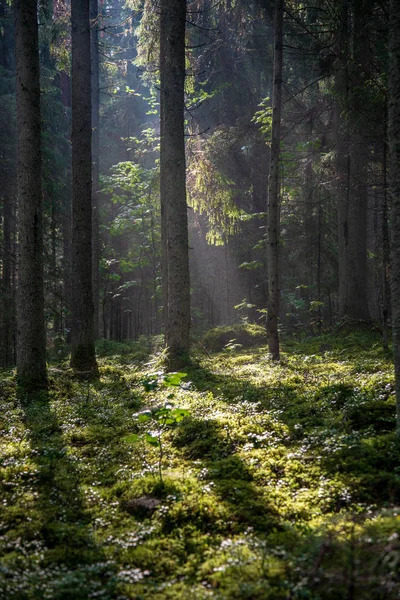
point(159, 419)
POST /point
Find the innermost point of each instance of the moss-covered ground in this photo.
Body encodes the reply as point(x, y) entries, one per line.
point(282, 482)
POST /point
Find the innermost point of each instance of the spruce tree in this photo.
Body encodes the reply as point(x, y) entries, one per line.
point(83, 357)
point(31, 335)
point(175, 247)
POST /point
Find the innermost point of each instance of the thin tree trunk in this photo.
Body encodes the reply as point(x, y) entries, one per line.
point(342, 154)
point(308, 214)
point(273, 191)
point(83, 358)
point(357, 299)
point(175, 249)
point(386, 301)
point(352, 163)
point(7, 308)
point(394, 184)
point(31, 335)
point(94, 16)
point(67, 265)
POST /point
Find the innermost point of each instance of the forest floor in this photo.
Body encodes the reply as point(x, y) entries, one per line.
point(272, 481)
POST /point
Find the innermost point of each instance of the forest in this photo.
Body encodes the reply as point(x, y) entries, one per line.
point(200, 299)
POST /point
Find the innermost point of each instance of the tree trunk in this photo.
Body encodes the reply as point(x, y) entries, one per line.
point(386, 295)
point(308, 215)
point(7, 308)
point(94, 16)
point(83, 358)
point(175, 260)
point(273, 191)
point(357, 300)
point(342, 153)
point(67, 265)
point(352, 164)
point(394, 184)
point(31, 335)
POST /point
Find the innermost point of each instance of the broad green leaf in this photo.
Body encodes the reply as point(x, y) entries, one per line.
point(173, 379)
point(152, 439)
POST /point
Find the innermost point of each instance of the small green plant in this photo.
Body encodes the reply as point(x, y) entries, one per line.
point(159, 419)
point(158, 380)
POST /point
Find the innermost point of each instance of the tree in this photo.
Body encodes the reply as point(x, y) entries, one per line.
point(175, 248)
point(352, 159)
point(94, 38)
point(7, 192)
point(31, 336)
point(394, 184)
point(83, 357)
point(273, 190)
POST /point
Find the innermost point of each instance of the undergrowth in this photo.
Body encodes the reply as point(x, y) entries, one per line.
point(281, 482)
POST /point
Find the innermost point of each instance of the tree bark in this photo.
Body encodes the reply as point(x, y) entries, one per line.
point(394, 185)
point(357, 300)
point(386, 295)
point(7, 302)
point(175, 248)
point(342, 154)
point(273, 191)
point(352, 163)
point(94, 16)
point(83, 358)
point(31, 335)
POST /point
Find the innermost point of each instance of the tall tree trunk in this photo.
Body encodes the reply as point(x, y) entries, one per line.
point(175, 248)
point(31, 335)
point(394, 184)
point(342, 154)
point(83, 358)
point(386, 295)
point(8, 196)
point(273, 191)
point(94, 16)
point(352, 163)
point(357, 301)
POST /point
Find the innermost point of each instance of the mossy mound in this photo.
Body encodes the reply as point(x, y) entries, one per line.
point(235, 336)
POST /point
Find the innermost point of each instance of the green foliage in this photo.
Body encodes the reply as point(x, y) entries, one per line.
point(211, 193)
point(263, 118)
point(154, 381)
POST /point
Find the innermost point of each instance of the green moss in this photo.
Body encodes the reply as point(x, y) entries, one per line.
point(234, 336)
point(202, 438)
point(283, 482)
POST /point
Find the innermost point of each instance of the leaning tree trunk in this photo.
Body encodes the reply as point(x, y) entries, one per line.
point(31, 335)
point(175, 248)
point(394, 184)
point(273, 191)
point(83, 358)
